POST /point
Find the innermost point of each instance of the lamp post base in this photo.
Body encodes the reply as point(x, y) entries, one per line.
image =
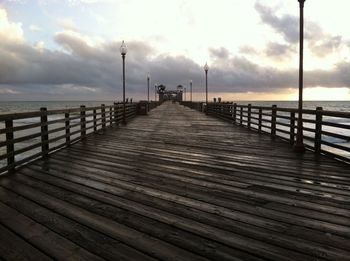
point(299, 148)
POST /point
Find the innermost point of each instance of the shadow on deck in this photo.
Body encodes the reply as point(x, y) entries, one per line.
point(177, 185)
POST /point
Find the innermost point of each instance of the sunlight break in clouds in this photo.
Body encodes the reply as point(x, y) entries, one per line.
point(9, 31)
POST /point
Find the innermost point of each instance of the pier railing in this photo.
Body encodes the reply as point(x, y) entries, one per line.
point(30, 135)
point(326, 132)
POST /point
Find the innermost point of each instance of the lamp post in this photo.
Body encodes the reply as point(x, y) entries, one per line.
point(148, 77)
point(299, 144)
point(123, 50)
point(185, 93)
point(191, 90)
point(206, 69)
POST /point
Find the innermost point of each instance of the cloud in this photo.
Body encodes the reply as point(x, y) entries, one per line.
point(273, 50)
point(67, 24)
point(221, 53)
point(85, 68)
point(319, 42)
point(324, 46)
point(97, 69)
point(279, 51)
point(8, 91)
point(247, 49)
point(286, 25)
point(34, 28)
point(9, 32)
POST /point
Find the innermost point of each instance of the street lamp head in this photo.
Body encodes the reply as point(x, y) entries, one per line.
point(123, 48)
point(191, 82)
point(206, 67)
point(148, 76)
point(301, 2)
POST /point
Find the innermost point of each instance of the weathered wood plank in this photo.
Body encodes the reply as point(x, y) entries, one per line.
point(13, 247)
point(95, 242)
point(54, 245)
point(104, 225)
point(241, 228)
point(163, 228)
point(183, 181)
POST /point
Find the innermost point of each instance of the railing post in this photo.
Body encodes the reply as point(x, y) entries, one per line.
point(67, 124)
point(82, 122)
point(234, 112)
point(115, 112)
point(110, 115)
point(249, 114)
point(260, 120)
point(292, 127)
point(10, 147)
point(241, 116)
point(103, 115)
point(44, 132)
point(230, 110)
point(95, 123)
point(273, 120)
point(318, 130)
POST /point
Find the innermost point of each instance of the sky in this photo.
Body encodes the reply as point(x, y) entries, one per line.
point(69, 49)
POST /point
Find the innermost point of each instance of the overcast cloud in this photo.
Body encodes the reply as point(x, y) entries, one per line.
point(84, 68)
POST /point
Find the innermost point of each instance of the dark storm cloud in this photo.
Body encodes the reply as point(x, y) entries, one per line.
point(319, 42)
point(82, 71)
point(82, 68)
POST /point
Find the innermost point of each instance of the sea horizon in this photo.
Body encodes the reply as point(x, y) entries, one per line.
point(7, 107)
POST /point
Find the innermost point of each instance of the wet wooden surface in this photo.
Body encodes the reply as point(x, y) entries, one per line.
point(177, 185)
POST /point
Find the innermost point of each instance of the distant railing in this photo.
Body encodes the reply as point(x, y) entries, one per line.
point(30, 135)
point(326, 132)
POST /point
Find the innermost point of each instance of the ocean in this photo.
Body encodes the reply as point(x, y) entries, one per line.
point(17, 107)
point(25, 106)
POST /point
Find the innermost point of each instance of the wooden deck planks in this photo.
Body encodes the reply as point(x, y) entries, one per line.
point(179, 185)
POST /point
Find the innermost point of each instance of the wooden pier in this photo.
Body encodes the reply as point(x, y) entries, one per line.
point(176, 185)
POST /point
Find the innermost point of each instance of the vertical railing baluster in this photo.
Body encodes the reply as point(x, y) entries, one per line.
point(67, 124)
point(44, 132)
point(115, 113)
point(249, 115)
point(10, 147)
point(273, 120)
point(241, 116)
point(82, 121)
point(260, 120)
point(95, 123)
point(110, 116)
point(292, 127)
point(103, 113)
point(234, 113)
point(318, 130)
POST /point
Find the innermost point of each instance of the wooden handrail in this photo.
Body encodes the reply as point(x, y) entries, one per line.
point(282, 124)
point(72, 125)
